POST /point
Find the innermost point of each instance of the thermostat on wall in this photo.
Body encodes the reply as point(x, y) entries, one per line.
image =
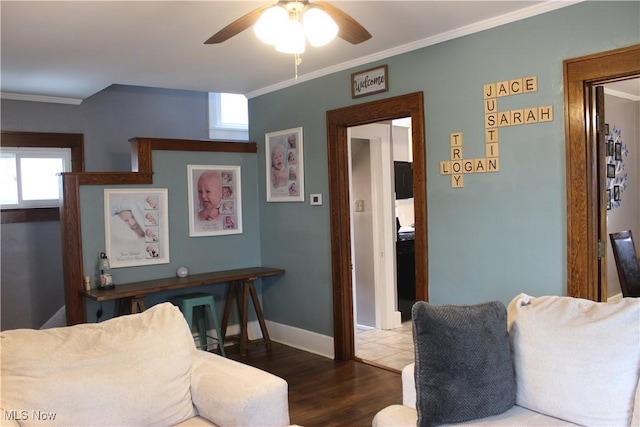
point(316, 200)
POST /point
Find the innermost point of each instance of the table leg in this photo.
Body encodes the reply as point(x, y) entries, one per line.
point(242, 291)
point(137, 305)
point(234, 292)
point(256, 305)
point(130, 305)
point(244, 321)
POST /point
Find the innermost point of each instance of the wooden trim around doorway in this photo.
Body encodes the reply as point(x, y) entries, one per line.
point(582, 186)
point(410, 105)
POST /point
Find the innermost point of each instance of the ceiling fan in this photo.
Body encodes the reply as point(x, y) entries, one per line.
point(295, 16)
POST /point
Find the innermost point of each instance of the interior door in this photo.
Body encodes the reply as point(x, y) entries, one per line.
point(599, 133)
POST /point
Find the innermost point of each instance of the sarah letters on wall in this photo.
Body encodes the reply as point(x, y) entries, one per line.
point(458, 166)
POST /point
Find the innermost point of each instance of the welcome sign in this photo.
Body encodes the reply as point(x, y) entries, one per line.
point(368, 82)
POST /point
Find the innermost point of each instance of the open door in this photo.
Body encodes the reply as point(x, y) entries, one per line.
point(598, 135)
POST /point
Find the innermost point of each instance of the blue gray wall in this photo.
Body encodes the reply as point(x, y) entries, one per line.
point(500, 235)
point(31, 273)
point(503, 233)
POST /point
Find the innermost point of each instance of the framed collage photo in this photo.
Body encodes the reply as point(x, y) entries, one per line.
point(284, 166)
point(136, 226)
point(215, 200)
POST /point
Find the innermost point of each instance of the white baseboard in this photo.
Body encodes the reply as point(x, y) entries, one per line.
point(58, 320)
point(301, 339)
point(615, 298)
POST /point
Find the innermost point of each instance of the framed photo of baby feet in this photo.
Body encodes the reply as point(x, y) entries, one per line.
point(136, 226)
point(284, 166)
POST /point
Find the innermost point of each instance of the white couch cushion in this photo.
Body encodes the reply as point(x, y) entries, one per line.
point(575, 359)
point(251, 398)
point(131, 370)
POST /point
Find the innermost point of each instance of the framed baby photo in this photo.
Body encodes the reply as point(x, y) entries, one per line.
point(136, 226)
point(215, 200)
point(285, 166)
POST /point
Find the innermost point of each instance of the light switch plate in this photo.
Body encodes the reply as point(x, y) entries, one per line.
point(316, 200)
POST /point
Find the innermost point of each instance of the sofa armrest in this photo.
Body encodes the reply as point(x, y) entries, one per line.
point(229, 393)
point(409, 386)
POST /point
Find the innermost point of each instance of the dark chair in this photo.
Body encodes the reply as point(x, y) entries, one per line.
point(627, 263)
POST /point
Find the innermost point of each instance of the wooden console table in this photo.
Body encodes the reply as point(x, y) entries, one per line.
point(130, 297)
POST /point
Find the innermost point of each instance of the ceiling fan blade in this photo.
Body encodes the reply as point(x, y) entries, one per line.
point(237, 26)
point(349, 29)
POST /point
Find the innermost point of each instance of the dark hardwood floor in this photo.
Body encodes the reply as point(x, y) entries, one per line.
point(323, 392)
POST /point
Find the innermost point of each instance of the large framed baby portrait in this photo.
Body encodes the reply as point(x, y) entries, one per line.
point(215, 200)
point(285, 166)
point(136, 226)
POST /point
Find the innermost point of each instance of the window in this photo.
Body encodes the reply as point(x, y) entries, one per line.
point(29, 166)
point(29, 176)
point(228, 116)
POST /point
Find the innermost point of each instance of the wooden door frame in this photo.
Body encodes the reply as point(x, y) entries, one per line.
point(582, 186)
point(410, 105)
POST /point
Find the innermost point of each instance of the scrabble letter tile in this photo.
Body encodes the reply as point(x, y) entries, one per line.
point(492, 150)
point(504, 119)
point(445, 167)
point(545, 114)
point(515, 86)
point(456, 153)
point(491, 135)
point(456, 167)
point(502, 88)
point(530, 84)
point(490, 106)
point(489, 90)
point(481, 165)
point(490, 120)
point(467, 166)
point(457, 181)
point(456, 139)
point(493, 164)
point(530, 115)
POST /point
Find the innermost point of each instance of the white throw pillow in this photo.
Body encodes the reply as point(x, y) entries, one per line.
point(576, 359)
point(131, 370)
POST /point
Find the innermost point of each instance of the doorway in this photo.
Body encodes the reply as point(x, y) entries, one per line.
point(338, 122)
point(621, 157)
point(584, 202)
point(382, 223)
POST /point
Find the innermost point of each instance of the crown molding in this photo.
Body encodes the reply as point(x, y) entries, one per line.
point(497, 21)
point(40, 98)
point(622, 95)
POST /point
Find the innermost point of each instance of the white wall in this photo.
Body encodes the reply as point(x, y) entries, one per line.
point(362, 231)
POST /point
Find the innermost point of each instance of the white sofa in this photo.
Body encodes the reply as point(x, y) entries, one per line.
point(141, 369)
point(576, 362)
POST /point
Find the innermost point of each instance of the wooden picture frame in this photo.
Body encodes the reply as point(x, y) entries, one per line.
point(370, 81)
point(215, 200)
point(285, 165)
point(136, 226)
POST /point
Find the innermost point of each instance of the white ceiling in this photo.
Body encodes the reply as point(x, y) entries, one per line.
point(72, 49)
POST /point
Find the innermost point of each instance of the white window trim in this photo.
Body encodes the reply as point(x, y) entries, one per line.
point(37, 152)
point(220, 130)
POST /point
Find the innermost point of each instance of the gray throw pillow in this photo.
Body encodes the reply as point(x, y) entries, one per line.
point(463, 367)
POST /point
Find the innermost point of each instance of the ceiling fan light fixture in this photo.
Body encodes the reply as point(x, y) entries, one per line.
point(319, 28)
point(270, 25)
point(292, 38)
